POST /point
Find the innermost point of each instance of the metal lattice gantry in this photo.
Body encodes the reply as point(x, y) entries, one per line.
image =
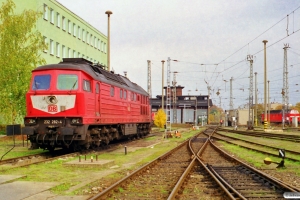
point(168, 103)
point(285, 95)
point(174, 98)
point(149, 79)
point(250, 117)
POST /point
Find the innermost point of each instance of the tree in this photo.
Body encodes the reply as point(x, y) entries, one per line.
point(297, 106)
point(160, 118)
point(20, 48)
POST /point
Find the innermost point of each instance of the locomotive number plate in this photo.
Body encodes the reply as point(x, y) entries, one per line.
point(53, 121)
point(52, 108)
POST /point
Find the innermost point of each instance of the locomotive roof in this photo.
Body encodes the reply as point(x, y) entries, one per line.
point(96, 72)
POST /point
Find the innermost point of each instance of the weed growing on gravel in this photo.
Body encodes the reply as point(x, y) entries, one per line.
point(59, 189)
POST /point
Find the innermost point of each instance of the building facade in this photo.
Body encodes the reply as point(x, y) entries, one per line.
point(66, 34)
point(183, 108)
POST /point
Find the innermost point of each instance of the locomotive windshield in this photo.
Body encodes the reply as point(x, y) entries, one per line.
point(67, 82)
point(41, 82)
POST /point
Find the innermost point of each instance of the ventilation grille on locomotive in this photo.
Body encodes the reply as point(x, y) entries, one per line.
point(109, 75)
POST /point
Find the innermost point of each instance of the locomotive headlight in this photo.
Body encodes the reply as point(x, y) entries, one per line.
point(30, 121)
point(76, 121)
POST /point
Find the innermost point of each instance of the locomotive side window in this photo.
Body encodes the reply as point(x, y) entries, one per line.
point(41, 82)
point(131, 96)
point(86, 85)
point(97, 88)
point(121, 93)
point(112, 91)
point(67, 82)
point(125, 94)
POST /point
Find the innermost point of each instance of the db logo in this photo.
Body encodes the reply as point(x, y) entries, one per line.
point(52, 108)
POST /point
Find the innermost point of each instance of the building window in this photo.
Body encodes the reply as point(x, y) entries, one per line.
point(101, 46)
point(121, 93)
point(45, 41)
point(45, 12)
point(74, 54)
point(52, 16)
point(83, 35)
point(69, 26)
point(63, 23)
point(57, 49)
point(104, 47)
point(79, 33)
point(74, 30)
point(86, 85)
point(95, 42)
point(69, 53)
point(79, 55)
point(58, 20)
point(87, 37)
point(91, 40)
point(51, 47)
point(82, 55)
point(63, 50)
point(98, 45)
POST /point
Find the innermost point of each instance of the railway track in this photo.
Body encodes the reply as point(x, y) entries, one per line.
point(193, 170)
point(263, 148)
point(27, 160)
point(288, 137)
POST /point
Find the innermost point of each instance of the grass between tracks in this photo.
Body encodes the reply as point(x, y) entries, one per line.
point(69, 176)
point(256, 159)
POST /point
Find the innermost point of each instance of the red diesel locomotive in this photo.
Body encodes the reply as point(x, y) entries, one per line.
point(78, 105)
point(276, 116)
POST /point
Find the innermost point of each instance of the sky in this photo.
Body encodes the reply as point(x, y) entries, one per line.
point(207, 43)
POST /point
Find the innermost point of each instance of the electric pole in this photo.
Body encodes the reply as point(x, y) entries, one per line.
point(174, 98)
point(162, 85)
point(255, 98)
point(250, 117)
point(265, 84)
point(149, 79)
point(285, 96)
point(168, 103)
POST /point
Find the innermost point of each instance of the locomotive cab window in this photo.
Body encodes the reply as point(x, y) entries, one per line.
point(86, 85)
point(41, 82)
point(67, 82)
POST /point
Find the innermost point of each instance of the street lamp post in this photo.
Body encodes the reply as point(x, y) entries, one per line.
point(108, 39)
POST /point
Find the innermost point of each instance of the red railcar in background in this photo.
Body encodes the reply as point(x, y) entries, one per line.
point(276, 116)
point(75, 104)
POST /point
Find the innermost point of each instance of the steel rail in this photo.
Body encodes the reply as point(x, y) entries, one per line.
point(270, 178)
point(273, 147)
point(258, 150)
point(106, 191)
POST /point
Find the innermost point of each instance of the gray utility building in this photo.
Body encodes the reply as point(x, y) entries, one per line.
point(183, 108)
